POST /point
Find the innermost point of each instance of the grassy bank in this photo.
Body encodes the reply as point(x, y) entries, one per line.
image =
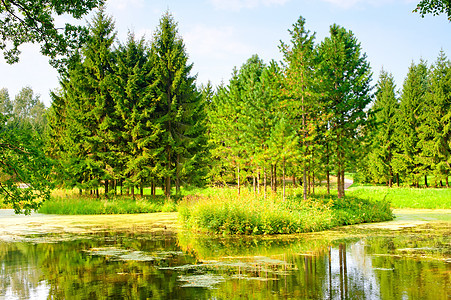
point(229, 213)
point(405, 197)
point(79, 205)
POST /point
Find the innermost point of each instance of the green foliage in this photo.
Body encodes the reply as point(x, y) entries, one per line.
point(383, 134)
point(26, 21)
point(434, 7)
point(180, 109)
point(229, 213)
point(347, 77)
point(24, 170)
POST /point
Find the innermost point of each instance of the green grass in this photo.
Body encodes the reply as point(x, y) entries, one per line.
point(226, 212)
point(405, 197)
point(79, 205)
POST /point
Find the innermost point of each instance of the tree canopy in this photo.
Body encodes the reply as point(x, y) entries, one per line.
point(435, 7)
point(29, 21)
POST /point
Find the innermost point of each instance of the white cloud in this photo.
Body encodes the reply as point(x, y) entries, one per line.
point(218, 43)
point(237, 5)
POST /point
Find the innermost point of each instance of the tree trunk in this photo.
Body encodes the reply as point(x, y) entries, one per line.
point(106, 187)
point(264, 183)
point(426, 180)
point(397, 179)
point(258, 181)
point(239, 183)
point(275, 178)
point(327, 168)
point(343, 182)
point(390, 180)
point(313, 182)
point(254, 185)
point(447, 182)
point(304, 182)
point(133, 191)
point(177, 176)
point(141, 189)
point(283, 179)
point(339, 194)
point(328, 181)
point(294, 180)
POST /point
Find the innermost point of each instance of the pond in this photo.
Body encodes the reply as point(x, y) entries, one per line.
point(147, 257)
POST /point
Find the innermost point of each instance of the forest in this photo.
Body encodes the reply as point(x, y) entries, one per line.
point(130, 114)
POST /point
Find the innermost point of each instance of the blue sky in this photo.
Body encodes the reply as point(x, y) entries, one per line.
point(222, 34)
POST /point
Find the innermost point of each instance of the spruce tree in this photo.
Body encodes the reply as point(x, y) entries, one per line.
point(135, 102)
point(180, 108)
point(383, 144)
point(412, 114)
point(89, 110)
point(439, 120)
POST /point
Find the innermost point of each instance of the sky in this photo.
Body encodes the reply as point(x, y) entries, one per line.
point(222, 34)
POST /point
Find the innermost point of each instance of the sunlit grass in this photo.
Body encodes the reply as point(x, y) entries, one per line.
point(405, 197)
point(227, 212)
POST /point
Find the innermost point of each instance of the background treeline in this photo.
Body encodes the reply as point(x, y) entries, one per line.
point(303, 118)
point(411, 137)
point(315, 114)
point(128, 115)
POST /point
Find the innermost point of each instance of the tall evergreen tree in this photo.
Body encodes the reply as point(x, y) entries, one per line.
point(89, 109)
point(439, 121)
point(383, 144)
point(180, 108)
point(347, 77)
point(300, 87)
point(133, 93)
point(412, 114)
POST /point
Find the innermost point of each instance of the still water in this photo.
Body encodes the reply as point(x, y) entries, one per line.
point(358, 262)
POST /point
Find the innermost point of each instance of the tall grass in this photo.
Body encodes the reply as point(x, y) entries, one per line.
point(405, 197)
point(73, 205)
point(230, 213)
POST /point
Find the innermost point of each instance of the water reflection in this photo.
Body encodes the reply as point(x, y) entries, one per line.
point(410, 264)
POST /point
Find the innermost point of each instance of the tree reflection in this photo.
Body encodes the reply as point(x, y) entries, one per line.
point(199, 267)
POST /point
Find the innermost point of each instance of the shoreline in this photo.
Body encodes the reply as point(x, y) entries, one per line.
point(16, 227)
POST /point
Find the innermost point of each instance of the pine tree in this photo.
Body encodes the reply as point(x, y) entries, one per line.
point(89, 110)
point(347, 77)
point(178, 103)
point(412, 113)
point(439, 121)
point(383, 145)
point(133, 93)
point(300, 82)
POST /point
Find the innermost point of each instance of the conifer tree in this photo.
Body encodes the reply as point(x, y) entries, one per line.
point(383, 144)
point(89, 110)
point(412, 113)
point(180, 107)
point(300, 81)
point(347, 77)
point(439, 120)
point(135, 102)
